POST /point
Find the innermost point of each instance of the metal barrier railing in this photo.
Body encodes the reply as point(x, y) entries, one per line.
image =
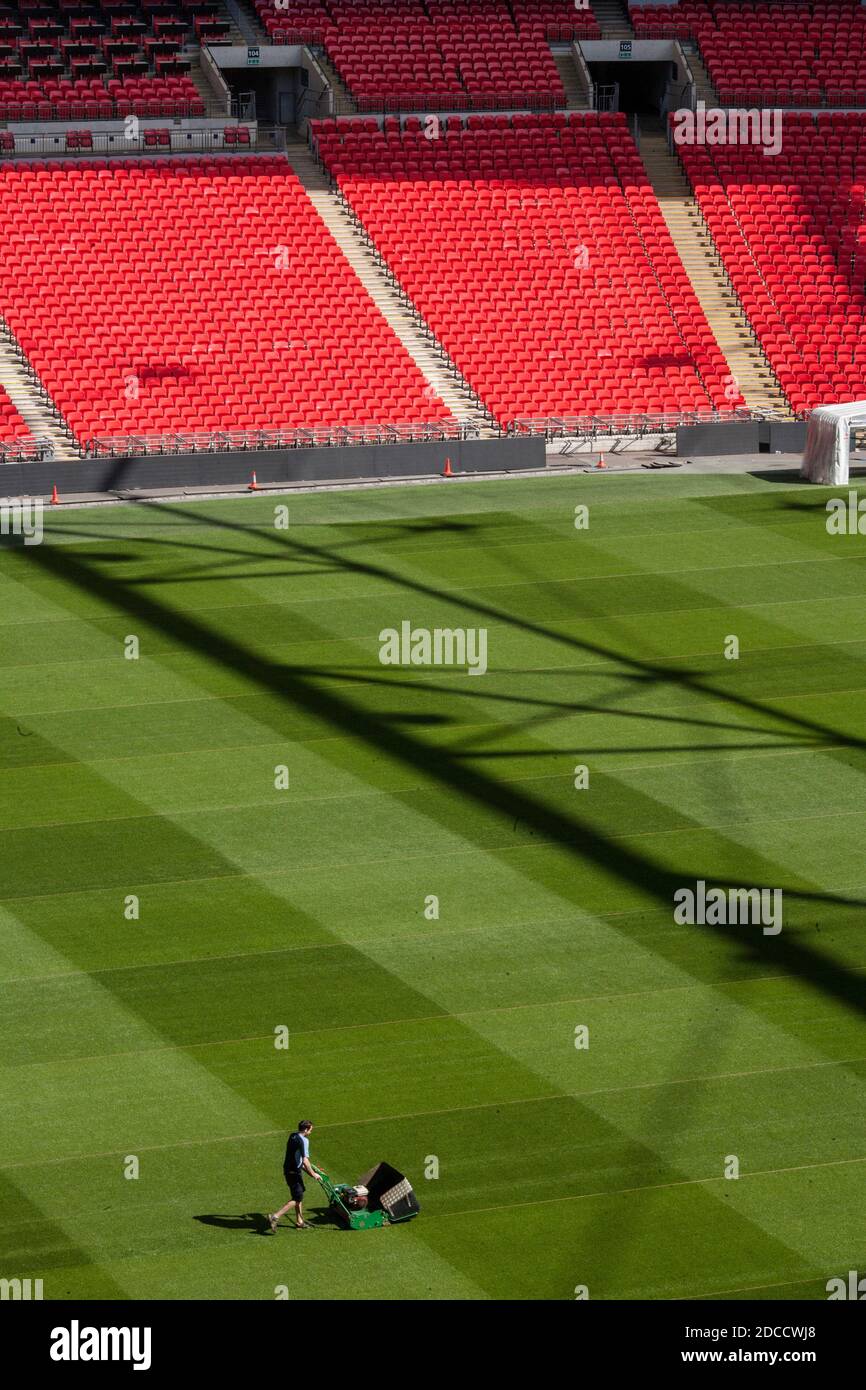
point(262, 140)
point(407, 100)
point(554, 33)
point(341, 436)
point(593, 426)
point(233, 441)
point(567, 33)
point(789, 98)
point(298, 38)
point(26, 451)
point(96, 109)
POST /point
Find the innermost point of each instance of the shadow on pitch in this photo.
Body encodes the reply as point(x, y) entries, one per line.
point(255, 1222)
point(575, 836)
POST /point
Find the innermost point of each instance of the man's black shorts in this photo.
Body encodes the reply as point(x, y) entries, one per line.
point(295, 1183)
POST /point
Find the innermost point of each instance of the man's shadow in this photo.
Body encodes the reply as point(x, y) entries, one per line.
point(256, 1222)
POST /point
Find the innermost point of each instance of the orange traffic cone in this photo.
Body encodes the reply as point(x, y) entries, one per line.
point(55, 500)
point(448, 473)
point(253, 487)
point(601, 463)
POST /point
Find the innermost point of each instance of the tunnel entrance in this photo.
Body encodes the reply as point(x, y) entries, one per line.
point(641, 89)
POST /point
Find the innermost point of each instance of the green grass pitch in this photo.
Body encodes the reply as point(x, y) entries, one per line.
point(446, 1041)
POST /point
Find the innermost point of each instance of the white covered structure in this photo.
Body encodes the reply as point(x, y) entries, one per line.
point(828, 438)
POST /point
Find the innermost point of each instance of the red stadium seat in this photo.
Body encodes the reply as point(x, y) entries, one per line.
point(797, 52)
point(794, 245)
point(451, 52)
point(202, 294)
point(12, 427)
point(537, 252)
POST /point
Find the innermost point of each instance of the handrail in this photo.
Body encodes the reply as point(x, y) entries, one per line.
point(585, 74)
point(664, 422)
point(183, 140)
point(210, 68)
point(341, 436)
point(232, 441)
point(92, 109)
point(26, 451)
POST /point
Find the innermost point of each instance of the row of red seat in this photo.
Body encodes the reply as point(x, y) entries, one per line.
point(12, 427)
point(94, 99)
point(536, 250)
point(797, 51)
point(483, 50)
point(792, 236)
point(157, 295)
point(54, 40)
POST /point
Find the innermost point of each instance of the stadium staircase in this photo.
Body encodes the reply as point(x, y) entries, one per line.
point(235, 36)
point(612, 19)
point(749, 367)
point(344, 105)
point(40, 418)
point(576, 95)
point(704, 89)
point(244, 24)
point(426, 354)
point(200, 82)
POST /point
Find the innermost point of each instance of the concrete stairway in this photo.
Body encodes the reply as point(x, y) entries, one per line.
point(748, 366)
point(576, 96)
point(704, 89)
point(612, 16)
point(344, 105)
point(201, 83)
point(429, 358)
point(28, 402)
point(246, 28)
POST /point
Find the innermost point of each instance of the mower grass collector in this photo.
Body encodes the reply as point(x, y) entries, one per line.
point(380, 1197)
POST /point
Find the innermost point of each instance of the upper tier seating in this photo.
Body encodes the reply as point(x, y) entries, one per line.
point(792, 235)
point(793, 51)
point(106, 57)
point(404, 53)
point(535, 248)
point(166, 294)
point(94, 99)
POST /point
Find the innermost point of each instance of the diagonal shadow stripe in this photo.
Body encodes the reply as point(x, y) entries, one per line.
point(575, 837)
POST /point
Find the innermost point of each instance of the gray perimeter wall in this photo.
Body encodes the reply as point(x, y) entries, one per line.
point(749, 437)
point(271, 466)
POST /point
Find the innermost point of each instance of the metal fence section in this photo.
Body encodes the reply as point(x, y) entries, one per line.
point(232, 441)
point(99, 109)
point(342, 436)
point(595, 426)
point(793, 99)
point(262, 140)
point(311, 37)
point(409, 101)
point(26, 451)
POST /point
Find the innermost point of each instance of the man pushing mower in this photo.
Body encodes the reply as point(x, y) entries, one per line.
point(295, 1164)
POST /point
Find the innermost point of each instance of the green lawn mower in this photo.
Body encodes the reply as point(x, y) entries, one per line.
point(381, 1197)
